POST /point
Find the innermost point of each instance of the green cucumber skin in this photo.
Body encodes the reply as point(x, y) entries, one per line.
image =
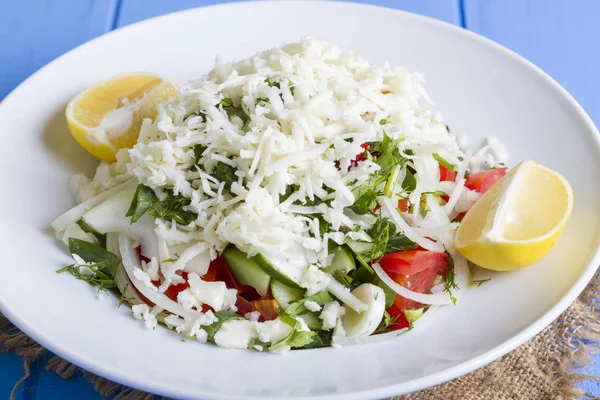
point(246, 270)
point(267, 267)
point(285, 294)
point(343, 260)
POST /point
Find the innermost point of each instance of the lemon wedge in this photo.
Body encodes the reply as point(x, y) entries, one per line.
point(107, 116)
point(518, 221)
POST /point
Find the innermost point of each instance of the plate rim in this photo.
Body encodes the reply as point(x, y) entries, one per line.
point(390, 390)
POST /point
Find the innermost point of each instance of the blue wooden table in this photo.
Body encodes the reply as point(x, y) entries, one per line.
point(560, 36)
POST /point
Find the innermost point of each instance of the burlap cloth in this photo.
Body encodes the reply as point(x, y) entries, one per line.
point(546, 368)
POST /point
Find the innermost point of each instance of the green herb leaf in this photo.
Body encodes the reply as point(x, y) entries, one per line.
point(449, 283)
point(409, 184)
point(400, 243)
point(227, 102)
point(384, 325)
point(92, 253)
point(364, 275)
point(273, 83)
point(301, 338)
point(383, 121)
point(143, 200)
point(365, 203)
point(225, 173)
point(172, 208)
point(390, 185)
point(389, 156)
point(450, 167)
point(222, 317)
point(87, 228)
point(342, 278)
point(321, 339)
point(298, 308)
point(296, 338)
point(103, 264)
point(198, 150)
point(367, 252)
point(195, 114)
point(124, 299)
point(480, 282)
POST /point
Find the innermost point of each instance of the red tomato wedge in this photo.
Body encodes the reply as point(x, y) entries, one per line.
point(482, 181)
point(403, 205)
point(446, 174)
point(173, 290)
point(400, 320)
point(415, 270)
point(410, 262)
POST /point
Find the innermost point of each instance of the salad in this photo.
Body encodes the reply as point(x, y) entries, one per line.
point(300, 198)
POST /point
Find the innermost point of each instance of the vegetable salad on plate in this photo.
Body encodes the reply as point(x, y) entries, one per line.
point(300, 198)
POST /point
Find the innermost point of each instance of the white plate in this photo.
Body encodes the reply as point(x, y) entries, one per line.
point(480, 87)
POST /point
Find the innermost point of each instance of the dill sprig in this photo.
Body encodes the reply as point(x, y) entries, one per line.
point(96, 278)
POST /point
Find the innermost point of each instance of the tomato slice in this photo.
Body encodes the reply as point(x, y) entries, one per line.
point(412, 261)
point(403, 205)
point(446, 174)
point(482, 181)
point(173, 290)
point(400, 320)
point(415, 270)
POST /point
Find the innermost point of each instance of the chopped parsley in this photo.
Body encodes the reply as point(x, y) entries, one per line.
point(225, 173)
point(298, 308)
point(222, 317)
point(365, 203)
point(172, 209)
point(296, 338)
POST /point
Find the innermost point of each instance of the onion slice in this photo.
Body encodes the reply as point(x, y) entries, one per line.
point(61, 222)
point(348, 341)
point(436, 299)
point(342, 293)
point(130, 262)
point(408, 231)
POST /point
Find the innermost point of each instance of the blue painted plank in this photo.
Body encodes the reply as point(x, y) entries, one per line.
point(35, 32)
point(559, 37)
point(137, 10)
point(11, 366)
point(50, 386)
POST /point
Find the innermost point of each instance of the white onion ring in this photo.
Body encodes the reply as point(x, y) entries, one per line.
point(130, 262)
point(407, 230)
point(348, 341)
point(435, 299)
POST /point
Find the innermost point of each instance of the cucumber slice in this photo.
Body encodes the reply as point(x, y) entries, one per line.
point(312, 320)
point(285, 294)
point(343, 261)
point(109, 216)
point(246, 270)
point(279, 276)
point(413, 315)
